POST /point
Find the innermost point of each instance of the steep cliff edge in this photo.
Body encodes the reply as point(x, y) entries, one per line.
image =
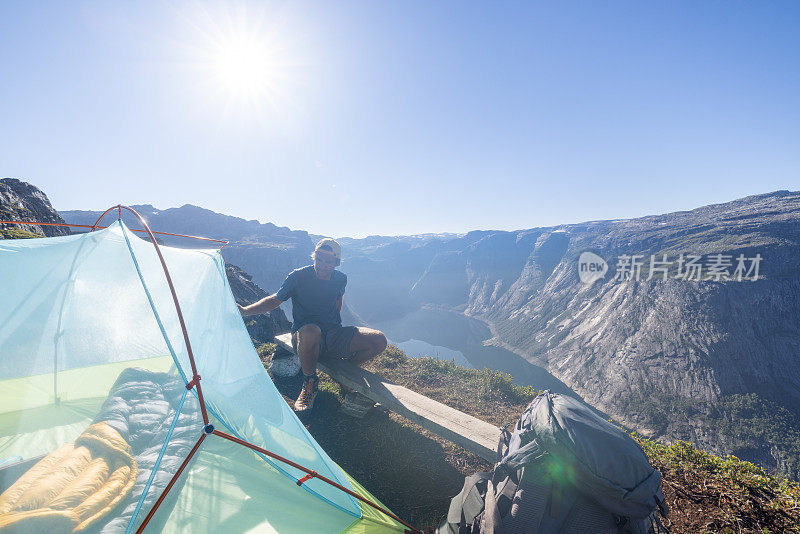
point(672, 356)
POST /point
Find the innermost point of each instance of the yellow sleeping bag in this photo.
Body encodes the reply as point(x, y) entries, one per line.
point(72, 487)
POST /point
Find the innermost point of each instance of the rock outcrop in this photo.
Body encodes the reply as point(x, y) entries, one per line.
point(20, 201)
point(262, 328)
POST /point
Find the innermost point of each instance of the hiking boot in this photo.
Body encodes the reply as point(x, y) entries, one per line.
point(305, 401)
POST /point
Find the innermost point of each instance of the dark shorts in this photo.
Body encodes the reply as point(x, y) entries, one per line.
point(335, 342)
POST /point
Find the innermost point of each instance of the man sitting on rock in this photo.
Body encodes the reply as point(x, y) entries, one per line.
point(317, 291)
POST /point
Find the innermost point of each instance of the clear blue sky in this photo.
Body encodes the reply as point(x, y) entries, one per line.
point(357, 118)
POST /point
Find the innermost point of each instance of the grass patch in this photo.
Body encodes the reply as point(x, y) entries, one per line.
point(484, 393)
point(16, 233)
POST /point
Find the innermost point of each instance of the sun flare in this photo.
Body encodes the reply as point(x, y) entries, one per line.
point(244, 58)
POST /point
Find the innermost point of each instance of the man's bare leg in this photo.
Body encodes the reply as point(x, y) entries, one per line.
point(366, 344)
point(308, 342)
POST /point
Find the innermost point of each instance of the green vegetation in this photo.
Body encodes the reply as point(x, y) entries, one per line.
point(16, 233)
point(266, 350)
point(707, 493)
point(415, 473)
point(750, 418)
point(13, 231)
point(485, 393)
point(743, 422)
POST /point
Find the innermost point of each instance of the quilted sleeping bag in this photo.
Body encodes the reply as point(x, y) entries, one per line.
point(72, 487)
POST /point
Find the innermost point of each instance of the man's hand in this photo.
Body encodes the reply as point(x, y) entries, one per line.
point(265, 305)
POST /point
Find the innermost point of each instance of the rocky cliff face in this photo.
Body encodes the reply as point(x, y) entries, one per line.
point(665, 355)
point(694, 338)
point(20, 201)
point(262, 328)
point(669, 356)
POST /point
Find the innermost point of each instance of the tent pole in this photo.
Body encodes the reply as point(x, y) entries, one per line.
point(195, 380)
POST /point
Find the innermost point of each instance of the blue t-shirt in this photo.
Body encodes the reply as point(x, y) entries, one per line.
point(313, 299)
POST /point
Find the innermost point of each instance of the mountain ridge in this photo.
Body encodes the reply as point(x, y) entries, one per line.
point(677, 358)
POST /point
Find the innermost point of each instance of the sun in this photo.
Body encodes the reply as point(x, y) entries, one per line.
point(244, 67)
point(243, 56)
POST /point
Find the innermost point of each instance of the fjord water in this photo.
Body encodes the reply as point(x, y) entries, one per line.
point(449, 335)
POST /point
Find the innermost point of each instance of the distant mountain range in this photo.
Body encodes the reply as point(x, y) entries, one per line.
point(265, 251)
point(709, 358)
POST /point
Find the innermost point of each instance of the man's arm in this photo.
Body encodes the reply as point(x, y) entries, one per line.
point(267, 304)
point(339, 303)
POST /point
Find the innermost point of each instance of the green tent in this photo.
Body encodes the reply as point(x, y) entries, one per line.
point(92, 336)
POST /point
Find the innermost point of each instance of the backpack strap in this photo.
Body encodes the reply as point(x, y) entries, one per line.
point(492, 522)
point(466, 506)
point(502, 444)
point(525, 455)
point(663, 508)
point(506, 489)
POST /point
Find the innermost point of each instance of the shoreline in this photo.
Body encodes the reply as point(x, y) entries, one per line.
point(495, 341)
point(599, 405)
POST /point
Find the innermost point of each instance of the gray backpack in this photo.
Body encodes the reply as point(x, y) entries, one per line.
point(563, 470)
